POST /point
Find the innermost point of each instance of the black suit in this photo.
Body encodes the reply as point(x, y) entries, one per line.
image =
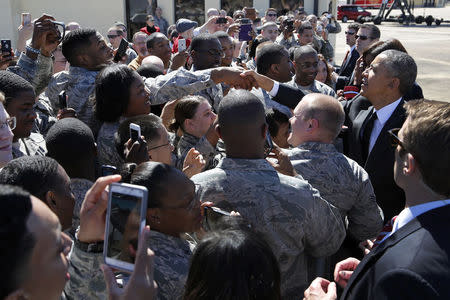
point(288, 95)
point(380, 162)
point(413, 263)
point(346, 70)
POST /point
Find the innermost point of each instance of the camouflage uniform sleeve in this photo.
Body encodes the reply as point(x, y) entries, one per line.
point(365, 218)
point(177, 84)
point(324, 237)
point(86, 278)
point(37, 72)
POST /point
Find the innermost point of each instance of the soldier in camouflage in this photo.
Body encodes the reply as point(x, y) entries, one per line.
point(293, 217)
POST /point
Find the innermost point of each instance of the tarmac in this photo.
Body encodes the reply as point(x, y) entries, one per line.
point(429, 46)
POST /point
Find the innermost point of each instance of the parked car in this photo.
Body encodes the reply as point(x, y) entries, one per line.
point(351, 12)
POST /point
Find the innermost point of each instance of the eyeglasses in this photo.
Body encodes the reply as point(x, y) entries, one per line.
point(156, 147)
point(10, 122)
point(350, 33)
point(395, 140)
point(213, 52)
point(112, 36)
point(362, 37)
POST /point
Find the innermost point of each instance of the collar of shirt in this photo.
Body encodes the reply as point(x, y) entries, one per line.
point(317, 146)
point(247, 165)
point(351, 49)
point(409, 213)
point(384, 113)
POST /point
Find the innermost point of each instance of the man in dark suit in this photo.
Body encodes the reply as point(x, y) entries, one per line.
point(342, 75)
point(385, 81)
point(413, 261)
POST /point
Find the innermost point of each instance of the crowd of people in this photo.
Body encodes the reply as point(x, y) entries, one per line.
point(333, 172)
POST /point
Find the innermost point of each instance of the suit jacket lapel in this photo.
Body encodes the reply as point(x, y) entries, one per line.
point(357, 125)
point(370, 259)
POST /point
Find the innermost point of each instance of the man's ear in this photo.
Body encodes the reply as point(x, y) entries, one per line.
point(50, 200)
point(218, 131)
point(19, 294)
point(314, 123)
point(395, 83)
point(409, 165)
point(274, 68)
point(82, 59)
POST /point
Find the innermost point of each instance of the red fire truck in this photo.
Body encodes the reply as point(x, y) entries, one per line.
point(371, 3)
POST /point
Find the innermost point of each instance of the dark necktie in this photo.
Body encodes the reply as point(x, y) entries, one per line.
point(367, 131)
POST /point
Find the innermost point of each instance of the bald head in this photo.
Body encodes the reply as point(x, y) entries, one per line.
point(154, 61)
point(242, 124)
point(318, 118)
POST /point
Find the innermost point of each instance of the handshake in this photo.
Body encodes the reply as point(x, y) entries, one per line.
point(239, 78)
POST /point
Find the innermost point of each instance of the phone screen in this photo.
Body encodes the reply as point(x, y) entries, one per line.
point(181, 45)
point(121, 51)
point(62, 98)
point(134, 135)
point(6, 47)
point(244, 32)
point(124, 228)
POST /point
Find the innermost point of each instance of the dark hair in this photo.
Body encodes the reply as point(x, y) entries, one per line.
point(150, 125)
point(76, 42)
point(304, 27)
point(155, 177)
point(72, 144)
point(185, 109)
point(378, 47)
point(233, 264)
point(267, 56)
point(198, 40)
point(112, 92)
point(255, 44)
point(329, 80)
point(274, 119)
point(151, 40)
point(149, 71)
point(11, 85)
point(374, 30)
point(36, 174)
point(17, 241)
point(355, 26)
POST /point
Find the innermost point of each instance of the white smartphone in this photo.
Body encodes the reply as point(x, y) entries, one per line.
point(26, 19)
point(181, 45)
point(135, 132)
point(125, 220)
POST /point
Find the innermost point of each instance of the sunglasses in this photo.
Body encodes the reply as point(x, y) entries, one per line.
point(362, 37)
point(112, 36)
point(272, 15)
point(156, 147)
point(350, 33)
point(395, 140)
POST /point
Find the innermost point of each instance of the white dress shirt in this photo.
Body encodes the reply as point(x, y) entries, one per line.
point(409, 213)
point(383, 114)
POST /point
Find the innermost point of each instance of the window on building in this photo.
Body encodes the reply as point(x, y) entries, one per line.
point(283, 6)
point(192, 10)
point(136, 13)
point(231, 6)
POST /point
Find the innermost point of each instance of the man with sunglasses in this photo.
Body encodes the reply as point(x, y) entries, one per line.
point(366, 36)
point(342, 75)
point(412, 261)
point(271, 15)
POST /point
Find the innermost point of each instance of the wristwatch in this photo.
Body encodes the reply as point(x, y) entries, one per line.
point(96, 247)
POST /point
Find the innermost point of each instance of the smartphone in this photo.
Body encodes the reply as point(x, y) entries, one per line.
point(26, 19)
point(122, 50)
point(125, 220)
point(135, 132)
point(181, 45)
point(245, 21)
point(62, 99)
point(244, 32)
point(268, 145)
point(212, 215)
point(6, 47)
point(221, 20)
point(108, 170)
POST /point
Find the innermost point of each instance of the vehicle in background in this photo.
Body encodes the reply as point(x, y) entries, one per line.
point(351, 12)
point(371, 3)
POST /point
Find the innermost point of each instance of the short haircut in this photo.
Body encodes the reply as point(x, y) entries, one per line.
point(72, 144)
point(76, 42)
point(185, 109)
point(150, 126)
point(240, 258)
point(303, 50)
point(11, 85)
point(35, 174)
point(271, 9)
point(401, 66)
point(221, 35)
point(274, 119)
point(268, 55)
point(151, 40)
point(269, 24)
point(149, 17)
point(16, 239)
point(374, 30)
point(355, 26)
point(378, 47)
point(255, 44)
point(112, 92)
point(155, 177)
point(304, 26)
point(198, 40)
point(149, 71)
point(427, 136)
point(138, 34)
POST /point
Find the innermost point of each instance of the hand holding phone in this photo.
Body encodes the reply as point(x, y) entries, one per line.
point(6, 48)
point(212, 215)
point(181, 45)
point(125, 220)
point(62, 99)
point(121, 51)
point(135, 132)
point(26, 19)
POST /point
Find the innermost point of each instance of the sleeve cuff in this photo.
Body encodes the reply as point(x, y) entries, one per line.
point(274, 91)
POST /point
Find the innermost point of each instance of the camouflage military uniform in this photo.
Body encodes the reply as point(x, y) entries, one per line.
point(29, 146)
point(315, 87)
point(45, 116)
point(202, 145)
point(79, 187)
point(291, 42)
point(106, 148)
point(343, 182)
point(295, 220)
